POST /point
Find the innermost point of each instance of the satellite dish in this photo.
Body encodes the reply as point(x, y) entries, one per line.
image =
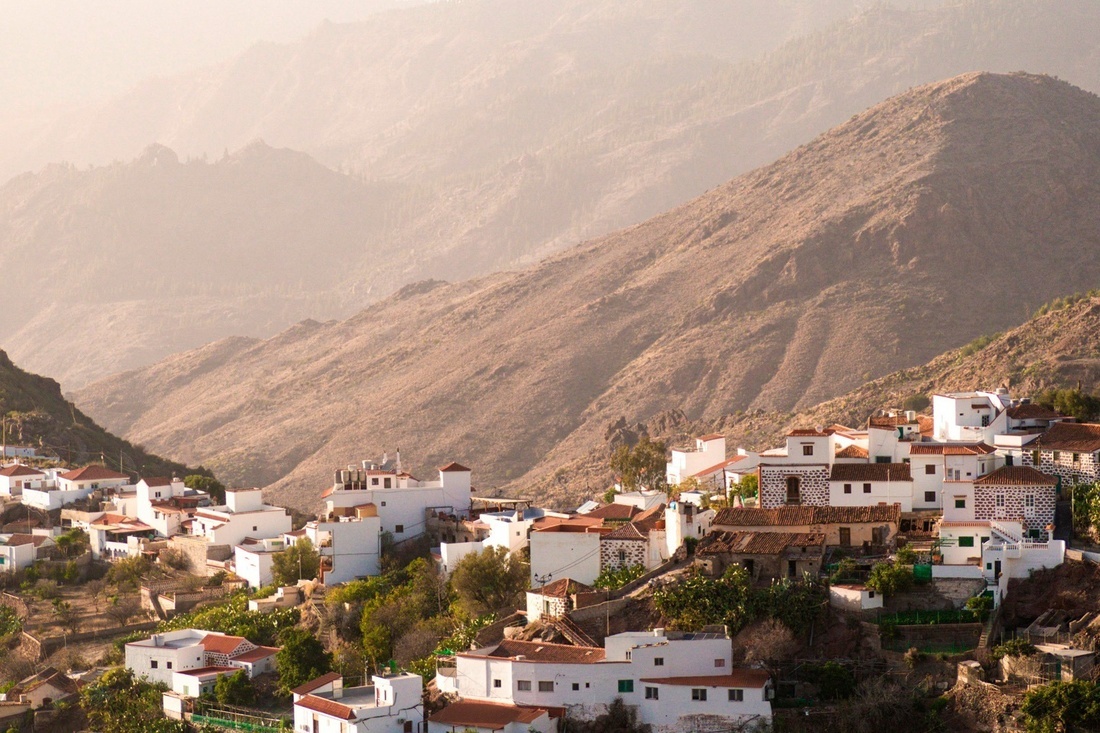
point(819, 428)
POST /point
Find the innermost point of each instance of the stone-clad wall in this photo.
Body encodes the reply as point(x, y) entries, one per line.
point(1039, 516)
point(1084, 471)
point(609, 553)
point(814, 488)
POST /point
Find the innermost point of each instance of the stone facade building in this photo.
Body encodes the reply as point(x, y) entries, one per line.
point(1070, 451)
point(1016, 493)
point(765, 556)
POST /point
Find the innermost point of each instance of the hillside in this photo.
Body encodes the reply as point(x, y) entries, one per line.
point(1058, 349)
point(36, 414)
point(472, 137)
point(915, 225)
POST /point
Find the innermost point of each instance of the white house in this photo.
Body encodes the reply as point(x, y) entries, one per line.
point(490, 717)
point(350, 546)
point(854, 597)
point(16, 477)
point(157, 657)
point(402, 501)
point(19, 551)
point(866, 484)
point(73, 486)
point(244, 514)
point(391, 704)
point(200, 681)
point(555, 599)
point(566, 549)
point(252, 559)
point(659, 673)
point(165, 503)
point(937, 467)
point(970, 416)
point(706, 462)
point(1070, 451)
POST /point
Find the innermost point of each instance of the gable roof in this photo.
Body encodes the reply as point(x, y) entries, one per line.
point(809, 433)
point(26, 539)
point(48, 676)
point(756, 678)
point(452, 466)
point(1071, 436)
point(538, 651)
point(307, 687)
point(92, 473)
point(326, 707)
point(562, 588)
point(950, 449)
point(1016, 476)
point(157, 481)
point(718, 466)
point(19, 469)
point(795, 516)
point(757, 543)
point(852, 451)
point(1032, 411)
point(219, 644)
point(870, 472)
point(492, 715)
point(255, 655)
point(613, 511)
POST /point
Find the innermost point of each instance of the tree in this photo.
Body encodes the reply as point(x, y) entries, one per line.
point(120, 703)
point(746, 488)
point(95, 589)
point(73, 543)
point(234, 689)
point(641, 466)
point(122, 609)
point(67, 616)
point(300, 659)
point(888, 579)
point(1071, 402)
point(770, 642)
point(300, 561)
point(128, 572)
point(209, 484)
point(488, 581)
point(1062, 707)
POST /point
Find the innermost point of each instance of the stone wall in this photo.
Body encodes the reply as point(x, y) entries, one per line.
point(616, 554)
point(1042, 514)
point(1084, 471)
point(813, 485)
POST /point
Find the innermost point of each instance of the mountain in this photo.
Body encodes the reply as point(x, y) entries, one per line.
point(473, 137)
point(36, 414)
point(913, 227)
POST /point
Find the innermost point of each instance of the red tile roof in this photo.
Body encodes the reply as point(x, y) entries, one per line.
point(809, 432)
point(308, 687)
point(613, 511)
point(25, 539)
point(326, 707)
point(628, 531)
point(92, 473)
point(214, 669)
point(757, 543)
point(20, 470)
point(718, 466)
point(889, 422)
point(1032, 411)
point(796, 516)
point(736, 678)
point(255, 655)
point(1016, 476)
point(492, 715)
point(157, 481)
point(538, 651)
point(218, 644)
point(852, 451)
point(870, 472)
point(949, 449)
point(562, 588)
point(1074, 437)
point(711, 436)
point(452, 466)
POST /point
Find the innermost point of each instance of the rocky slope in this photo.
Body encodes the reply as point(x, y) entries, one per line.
point(917, 225)
point(481, 135)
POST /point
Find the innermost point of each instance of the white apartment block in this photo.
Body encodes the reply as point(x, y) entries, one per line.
point(243, 515)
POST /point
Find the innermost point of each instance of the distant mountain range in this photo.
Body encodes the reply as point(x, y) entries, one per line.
point(949, 211)
point(472, 137)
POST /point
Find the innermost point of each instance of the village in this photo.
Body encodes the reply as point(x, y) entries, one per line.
point(742, 590)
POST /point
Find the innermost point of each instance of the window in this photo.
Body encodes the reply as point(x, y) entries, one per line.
point(374, 482)
point(985, 421)
point(383, 503)
point(658, 661)
point(168, 665)
point(524, 685)
point(622, 557)
point(1000, 499)
point(576, 686)
point(496, 683)
point(989, 566)
point(388, 483)
point(847, 488)
point(882, 459)
point(736, 695)
point(1076, 457)
point(966, 542)
point(255, 528)
point(793, 490)
point(154, 664)
point(626, 685)
point(1029, 501)
point(1057, 455)
point(866, 488)
point(699, 693)
point(960, 503)
point(930, 497)
point(546, 686)
point(930, 469)
point(157, 493)
point(628, 653)
point(651, 693)
point(1035, 458)
point(845, 536)
point(807, 450)
point(870, 594)
point(719, 663)
point(399, 528)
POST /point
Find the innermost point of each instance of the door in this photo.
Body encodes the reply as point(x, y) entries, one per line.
point(996, 568)
point(792, 568)
point(845, 536)
point(793, 490)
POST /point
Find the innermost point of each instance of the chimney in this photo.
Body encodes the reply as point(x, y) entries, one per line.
point(398, 466)
point(385, 458)
point(338, 688)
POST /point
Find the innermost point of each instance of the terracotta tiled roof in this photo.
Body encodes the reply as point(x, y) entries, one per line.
point(756, 678)
point(308, 687)
point(1016, 476)
point(48, 676)
point(719, 466)
point(1077, 437)
point(796, 516)
point(809, 432)
point(255, 655)
point(452, 466)
point(613, 511)
point(757, 543)
point(628, 531)
point(562, 588)
point(330, 708)
point(1032, 411)
point(92, 473)
point(26, 539)
point(157, 481)
point(950, 449)
point(215, 670)
point(218, 644)
point(492, 715)
point(870, 472)
point(20, 470)
point(852, 451)
point(927, 425)
point(537, 651)
point(889, 422)
point(711, 436)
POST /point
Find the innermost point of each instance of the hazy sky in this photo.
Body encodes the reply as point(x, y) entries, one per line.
point(56, 51)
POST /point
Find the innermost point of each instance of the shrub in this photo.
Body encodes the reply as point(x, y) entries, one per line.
point(615, 578)
point(1014, 648)
point(906, 555)
point(980, 605)
point(888, 579)
point(913, 657)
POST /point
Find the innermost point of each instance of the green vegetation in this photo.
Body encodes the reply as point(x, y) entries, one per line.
point(233, 617)
point(916, 402)
point(206, 483)
point(234, 689)
point(1086, 508)
point(73, 543)
point(489, 581)
point(122, 704)
point(978, 344)
point(613, 579)
point(698, 601)
point(1059, 304)
point(980, 605)
point(747, 488)
point(890, 578)
point(906, 555)
point(300, 659)
point(10, 625)
point(1073, 402)
point(1014, 648)
point(1062, 707)
point(642, 465)
point(300, 561)
point(846, 570)
point(927, 618)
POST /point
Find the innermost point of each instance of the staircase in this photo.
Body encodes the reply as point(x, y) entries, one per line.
point(571, 631)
